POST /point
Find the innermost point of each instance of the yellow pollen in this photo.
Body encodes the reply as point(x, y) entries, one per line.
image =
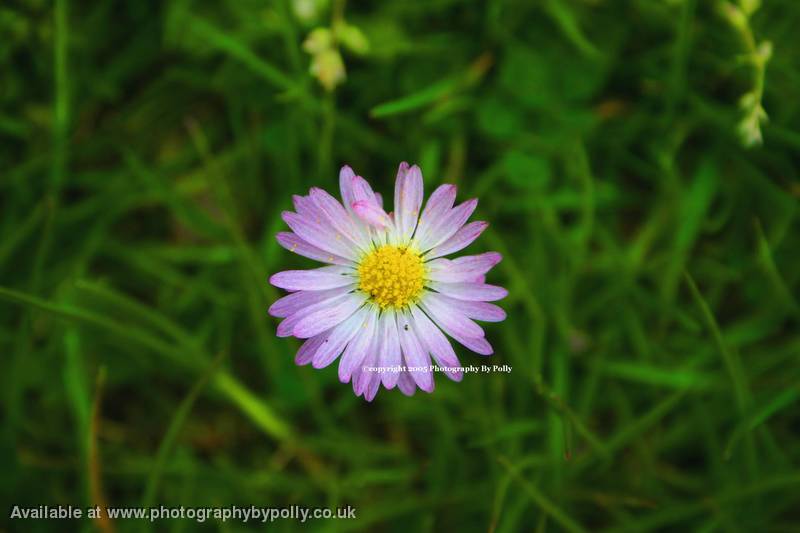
point(391, 276)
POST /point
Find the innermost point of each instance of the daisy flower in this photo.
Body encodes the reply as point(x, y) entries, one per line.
point(387, 296)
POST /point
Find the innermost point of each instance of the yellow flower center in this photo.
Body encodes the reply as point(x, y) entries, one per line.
point(391, 276)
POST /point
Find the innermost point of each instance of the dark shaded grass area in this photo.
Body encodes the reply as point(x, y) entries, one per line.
point(148, 149)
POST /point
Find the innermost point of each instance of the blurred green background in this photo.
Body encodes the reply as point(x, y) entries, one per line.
point(646, 209)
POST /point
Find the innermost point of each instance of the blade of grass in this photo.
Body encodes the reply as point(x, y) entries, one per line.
point(173, 430)
point(542, 501)
point(437, 91)
point(731, 360)
point(666, 377)
point(238, 394)
point(767, 262)
point(97, 494)
point(760, 415)
point(571, 416)
point(79, 397)
point(688, 219)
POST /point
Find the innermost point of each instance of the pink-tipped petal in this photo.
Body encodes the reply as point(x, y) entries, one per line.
point(373, 215)
point(368, 371)
point(402, 170)
point(362, 192)
point(346, 176)
point(437, 344)
point(470, 291)
point(373, 378)
point(337, 217)
point(356, 351)
point(407, 200)
point(390, 352)
point(318, 279)
point(438, 204)
point(447, 225)
point(483, 311)
point(448, 271)
point(296, 301)
point(330, 316)
point(477, 344)
point(350, 195)
point(372, 388)
point(309, 348)
point(450, 316)
point(415, 355)
point(295, 244)
point(466, 268)
point(460, 240)
point(313, 229)
point(379, 199)
point(286, 327)
point(481, 262)
point(406, 384)
point(337, 339)
point(304, 206)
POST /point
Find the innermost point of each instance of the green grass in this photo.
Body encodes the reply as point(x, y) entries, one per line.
point(652, 258)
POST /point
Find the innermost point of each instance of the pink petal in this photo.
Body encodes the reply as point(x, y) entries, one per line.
point(370, 213)
point(466, 268)
point(295, 244)
point(482, 311)
point(406, 384)
point(362, 191)
point(294, 302)
point(439, 203)
point(372, 388)
point(309, 348)
point(338, 218)
point(372, 379)
point(452, 276)
point(414, 353)
point(351, 193)
point(329, 316)
point(470, 291)
point(447, 225)
point(286, 327)
point(304, 206)
point(476, 344)
point(317, 279)
point(355, 378)
point(407, 200)
point(402, 170)
point(436, 343)
point(450, 316)
point(368, 374)
point(460, 240)
point(346, 176)
point(336, 339)
point(481, 262)
point(390, 353)
point(310, 208)
point(357, 350)
point(313, 229)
